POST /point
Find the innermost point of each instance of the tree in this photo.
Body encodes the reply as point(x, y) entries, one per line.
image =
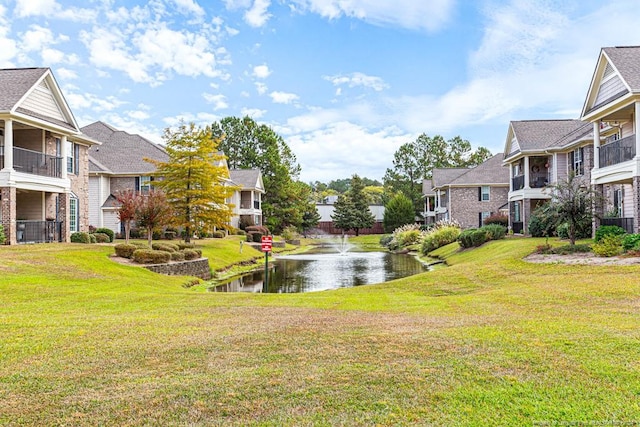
point(352, 208)
point(126, 203)
point(250, 145)
point(194, 179)
point(310, 218)
point(572, 203)
point(152, 212)
point(398, 212)
point(414, 161)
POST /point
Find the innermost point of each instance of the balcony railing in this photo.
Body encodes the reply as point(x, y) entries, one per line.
point(618, 151)
point(34, 162)
point(626, 223)
point(517, 182)
point(38, 231)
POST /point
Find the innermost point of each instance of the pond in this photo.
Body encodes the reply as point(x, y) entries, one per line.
point(320, 271)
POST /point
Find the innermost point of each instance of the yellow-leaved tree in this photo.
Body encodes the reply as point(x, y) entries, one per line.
point(195, 179)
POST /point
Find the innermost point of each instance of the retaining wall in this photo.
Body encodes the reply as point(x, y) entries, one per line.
point(198, 267)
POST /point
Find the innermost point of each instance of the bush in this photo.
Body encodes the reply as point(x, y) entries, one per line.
point(92, 238)
point(164, 246)
point(190, 254)
point(498, 219)
point(439, 236)
point(150, 256)
point(259, 228)
point(473, 237)
point(570, 249)
point(80, 237)
point(219, 234)
point(109, 232)
point(385, 240)
point(125, 250)
point(170, 234)
point(241, 232)
point(184, 245)
point(494, 231)
point(631, 242)
point(102, 237)
point(256, 236)
point(609, 245)
point(177, 256)
point(3, 238)
point(608, 230)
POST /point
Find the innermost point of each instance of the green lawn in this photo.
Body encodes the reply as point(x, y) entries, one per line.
point(490, 340)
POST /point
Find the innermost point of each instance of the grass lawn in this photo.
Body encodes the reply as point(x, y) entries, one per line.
point(490, 340)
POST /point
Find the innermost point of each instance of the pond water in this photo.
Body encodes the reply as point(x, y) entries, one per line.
point(321, 271)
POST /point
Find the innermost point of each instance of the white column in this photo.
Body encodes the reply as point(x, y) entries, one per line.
point(596, 144)
point(63, 154)
point(526, 172)
point(8, 144)
point(637, 127)
point(510, 178)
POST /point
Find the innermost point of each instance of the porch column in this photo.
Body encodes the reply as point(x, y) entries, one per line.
point(63, 215)
point(637, 127)
point(636, 204)
point(596, 144)
point(8, 206)
point(598, 207)
point(8, 145)
point(510, 178)
point(526, 173)
point(63, 154)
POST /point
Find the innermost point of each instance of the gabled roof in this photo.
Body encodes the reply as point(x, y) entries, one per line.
point(247, 178)
point(538, 135)
point(122, 153)
point(489, 172)
point(626, 60)
point(33, 93)
point(443, 176)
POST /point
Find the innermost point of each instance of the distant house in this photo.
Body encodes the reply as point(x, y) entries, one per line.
point(326, 222)
point(117, 164)
point(43, 160)
point(467, 195)
point(247, 203)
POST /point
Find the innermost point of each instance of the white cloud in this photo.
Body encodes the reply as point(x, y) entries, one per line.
point(66, 74)
point(219, 101)
point(253, 112)
point(258, 14)
point(261, 88)
point(358, 79)
point(261, 71)
point(190, 6)
point(283, 97)
point(8, 48)
point(416, 15)
point(138, 115)
point(200, 119)
point(52, 9)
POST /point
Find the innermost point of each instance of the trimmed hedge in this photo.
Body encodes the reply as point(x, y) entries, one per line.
point(109, 232)
point(472, 237)
point(184, 245)
point(190, 254)
point(150, 256)
point(80, 237)
point(164, 246)
point(218, 234)
point(177, 256)
point(608, 230)
point(102, 237)
point(125, 250)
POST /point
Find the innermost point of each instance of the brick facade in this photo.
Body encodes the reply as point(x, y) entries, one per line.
point(466, 206)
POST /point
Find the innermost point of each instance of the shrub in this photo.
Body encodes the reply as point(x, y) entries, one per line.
point(494, 231)
point(259, 228)
point(3, 238)
point(109, 232)
point(190, 254)
point(164, 246)
point(498, 219)
point(543, 249)
point(473, 237)
point(385, 240)
point(92, 238)
point(440, 235)
point(184, 245)
point(540, 225)
point(177, 256)
point(150, 256)
point(241, 232)
point(256, 236)
point(570, 249)
point(631, 242)
point(608, 230)
point(170, 234)
point(219, 234)
point(609, 245)
point(289, 233)
point(102, 237)
point(125, 250)
point(80, 237)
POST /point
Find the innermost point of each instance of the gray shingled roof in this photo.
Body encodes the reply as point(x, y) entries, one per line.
point(247, 178)
point(543, 134)
point(121, 152)
point(15, 83)
point(490, 171)
point(444, 176)
point(627, 61)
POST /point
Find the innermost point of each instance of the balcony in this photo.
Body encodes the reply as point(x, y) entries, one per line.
point(247, 204)
point(618, 151)
point(38, 231)
point(517, 183)
point(34, 162)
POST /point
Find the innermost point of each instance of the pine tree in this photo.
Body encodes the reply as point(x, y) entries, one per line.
point(195, 179)
point(352, 208)
point(398, 212)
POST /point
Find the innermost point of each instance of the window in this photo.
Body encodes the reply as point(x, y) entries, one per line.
point(73, 158)
point(482, 216)
point(73, 213)
point(618, 199)
point(143, 184)
point(576, 161)
point(484, 192)
point(516, 212)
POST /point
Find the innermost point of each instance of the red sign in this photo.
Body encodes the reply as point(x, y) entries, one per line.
point(267, 242)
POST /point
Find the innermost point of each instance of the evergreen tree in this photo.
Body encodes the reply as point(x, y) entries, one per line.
point(352, 209)
point(194, 179)
point(398, 212)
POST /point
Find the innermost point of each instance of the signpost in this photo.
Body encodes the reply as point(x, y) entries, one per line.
point(267, 243)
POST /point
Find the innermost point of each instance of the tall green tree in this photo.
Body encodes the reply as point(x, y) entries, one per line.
point(398, 212)
point(414, 161)
point(194, 179)
point(247, 145)
point(352, 208)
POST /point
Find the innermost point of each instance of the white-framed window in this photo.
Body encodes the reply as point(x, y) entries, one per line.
point(576, 161)
point(73, 158)
point(144, 184)
point(485, 193)
point(482, 216)
point(73, 213)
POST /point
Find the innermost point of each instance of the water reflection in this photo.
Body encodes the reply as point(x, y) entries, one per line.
point(322, 271)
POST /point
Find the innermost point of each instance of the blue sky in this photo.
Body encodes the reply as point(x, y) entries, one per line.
point(344, 82)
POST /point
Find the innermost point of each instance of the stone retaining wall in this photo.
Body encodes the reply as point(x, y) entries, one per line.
point(199, 268)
